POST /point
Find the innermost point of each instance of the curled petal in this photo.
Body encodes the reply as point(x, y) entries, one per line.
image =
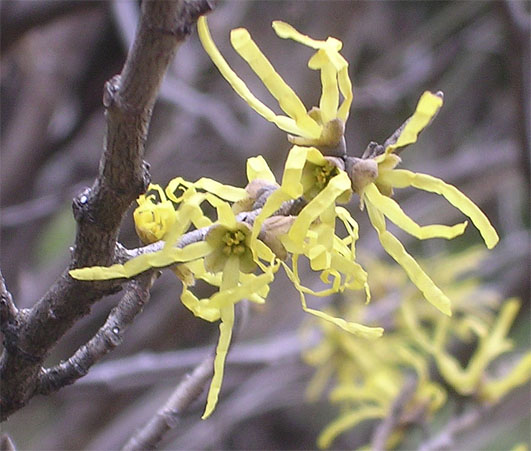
point(415, 273)
point(226, 192)
point(336, 186)
point(286, 31)
point(467, 381)
point(493, 390)
point(401, 178)
point(354, 328)
point(199, 307)
point(345, 87)
point(392, 210)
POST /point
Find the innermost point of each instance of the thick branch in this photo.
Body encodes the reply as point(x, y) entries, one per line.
point(129, 99)
point(8, 310)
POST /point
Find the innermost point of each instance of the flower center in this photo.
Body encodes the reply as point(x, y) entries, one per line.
point(323, 174)
point(234, 243)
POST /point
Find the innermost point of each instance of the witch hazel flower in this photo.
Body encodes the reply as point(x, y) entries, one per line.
point(374, 176)
point(322, 127)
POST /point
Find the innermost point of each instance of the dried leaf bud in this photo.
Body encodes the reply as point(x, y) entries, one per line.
point(332, 133)
point(257, 186)
point(272, 229)
point(361, 172)
point(255, 189)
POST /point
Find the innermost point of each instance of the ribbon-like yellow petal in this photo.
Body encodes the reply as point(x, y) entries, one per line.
point(345, 87)
point(392, 210)
point(353, 328)
point(401, 178)
point(242, 291)
point(329, 101)
point(427, 107)
point(286, 31)
point(415, 273)
point(287, 99)
point(142, 263)
point(284, 123)
point(467, 381)
point(199, 307)
point(291, 188)
point(257, 168)
point(494, 390)
point(225, 333)
point(226, 216)
point(226, 192)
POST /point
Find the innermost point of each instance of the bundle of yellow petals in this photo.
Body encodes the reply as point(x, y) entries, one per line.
point(223, 259)
point(321, 127)
point(333, 256)
point(372, 177)
point(366, 381)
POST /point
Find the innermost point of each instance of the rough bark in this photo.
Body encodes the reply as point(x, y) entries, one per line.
point(29, 335)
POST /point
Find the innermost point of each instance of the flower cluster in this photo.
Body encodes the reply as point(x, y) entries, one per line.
point(268, 225)
point(367, 382)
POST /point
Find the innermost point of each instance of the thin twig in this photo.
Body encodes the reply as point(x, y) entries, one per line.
point(106, 339)
point(384, 430)
point(169, 415)
point(6, 444)
point(147, 367)
point(445, 439)
point(186, 392)
point(272, 388)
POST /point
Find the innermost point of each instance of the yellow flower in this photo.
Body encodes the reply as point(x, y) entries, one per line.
point(334, 257)
point(367, 379)
point(153, 219)
point(321, 127)
point(223, 260)
point(231, 256)
point(374, 178)
point(492, 343)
